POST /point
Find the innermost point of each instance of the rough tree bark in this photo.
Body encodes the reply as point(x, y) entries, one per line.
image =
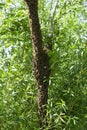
point(41, 61)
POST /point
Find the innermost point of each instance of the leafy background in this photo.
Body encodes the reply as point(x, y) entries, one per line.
point(67, 104)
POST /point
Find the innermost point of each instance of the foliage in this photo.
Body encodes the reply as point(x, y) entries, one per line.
point(67, 106)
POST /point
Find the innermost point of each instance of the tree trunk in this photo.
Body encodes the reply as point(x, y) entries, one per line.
point(41, 61)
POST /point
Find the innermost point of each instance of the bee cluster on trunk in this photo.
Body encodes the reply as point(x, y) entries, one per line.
point(42, 68)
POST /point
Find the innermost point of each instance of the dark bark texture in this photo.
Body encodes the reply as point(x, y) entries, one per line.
point(40, 60)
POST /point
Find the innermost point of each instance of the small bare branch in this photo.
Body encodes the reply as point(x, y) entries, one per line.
point(52, 16)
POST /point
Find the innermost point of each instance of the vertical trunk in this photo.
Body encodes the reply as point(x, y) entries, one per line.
point(41, 61)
